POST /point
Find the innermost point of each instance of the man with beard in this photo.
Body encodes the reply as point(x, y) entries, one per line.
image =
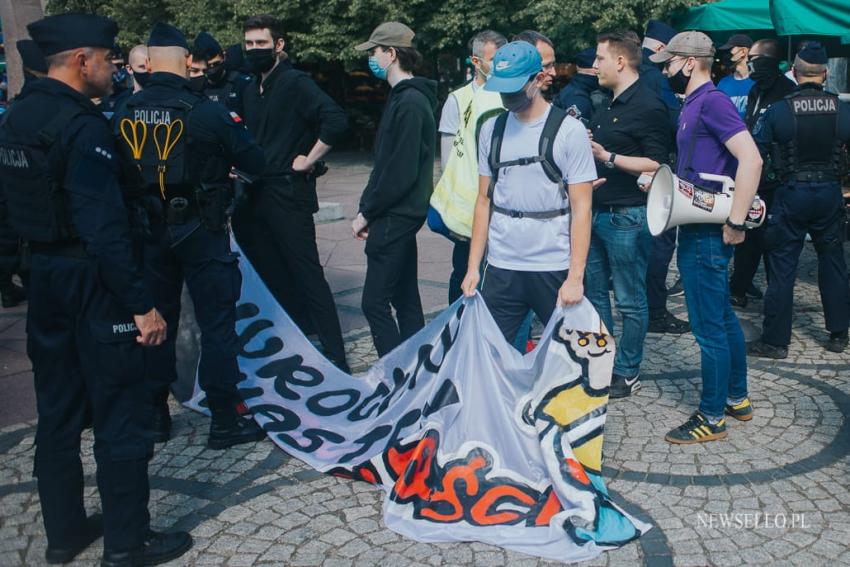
point(770, 86)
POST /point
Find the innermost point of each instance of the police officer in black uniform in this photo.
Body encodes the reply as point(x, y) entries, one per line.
point(221, 84)
point(804, 136)
point(89, 313)
point(583, 94)
point(180, 147)
point(13, 256)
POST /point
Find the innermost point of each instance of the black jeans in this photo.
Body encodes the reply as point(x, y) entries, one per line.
point(88, 369)
point(663, 247)
point(279, 238)
point(392, 282)
point(509, 294)
point(460, 259)
point(749, 254)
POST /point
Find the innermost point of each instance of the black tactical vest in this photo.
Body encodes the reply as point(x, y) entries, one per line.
point(155, 137)
point(32, 170)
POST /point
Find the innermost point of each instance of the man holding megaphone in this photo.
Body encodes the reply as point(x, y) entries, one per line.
point(712, 139)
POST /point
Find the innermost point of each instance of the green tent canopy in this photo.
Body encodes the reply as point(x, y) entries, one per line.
point(729, 16)
point(812, 17)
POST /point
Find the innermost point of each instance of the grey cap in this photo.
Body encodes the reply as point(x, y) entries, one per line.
point(388, 34)
point(685, 44)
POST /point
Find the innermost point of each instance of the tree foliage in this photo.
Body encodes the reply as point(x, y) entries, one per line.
point(328, 29)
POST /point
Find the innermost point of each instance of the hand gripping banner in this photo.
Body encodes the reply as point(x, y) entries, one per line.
point(470, 439)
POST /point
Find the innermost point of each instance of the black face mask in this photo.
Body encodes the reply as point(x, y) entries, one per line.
point(215, 73)
point(763, 69)
point(141, 78)
point(679, 81)
point(260, 60)
point(726, 60)
point(198, 84)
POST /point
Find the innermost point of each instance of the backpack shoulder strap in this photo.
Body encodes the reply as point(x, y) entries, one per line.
point(547, 141)
point(496, 151)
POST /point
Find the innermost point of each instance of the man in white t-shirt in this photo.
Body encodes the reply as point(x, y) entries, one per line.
point(536, 230)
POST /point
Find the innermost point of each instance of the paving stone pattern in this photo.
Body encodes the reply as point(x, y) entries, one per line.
point(775, 492)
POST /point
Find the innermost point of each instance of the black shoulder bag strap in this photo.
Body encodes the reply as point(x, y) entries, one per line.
point(547, 142)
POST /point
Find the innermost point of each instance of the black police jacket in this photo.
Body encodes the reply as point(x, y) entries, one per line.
point(287, 118)
point(216, 140)
point(90, 181)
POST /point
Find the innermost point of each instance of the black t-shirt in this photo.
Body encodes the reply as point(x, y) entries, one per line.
point(635, 124)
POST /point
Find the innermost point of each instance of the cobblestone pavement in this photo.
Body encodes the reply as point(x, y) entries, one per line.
point(786, 471)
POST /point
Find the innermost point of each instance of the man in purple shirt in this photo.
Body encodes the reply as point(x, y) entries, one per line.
point(711, 138)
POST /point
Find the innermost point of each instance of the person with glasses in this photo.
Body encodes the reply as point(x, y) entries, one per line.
point(711, 138)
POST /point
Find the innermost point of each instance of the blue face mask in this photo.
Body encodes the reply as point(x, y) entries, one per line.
point(376, 69)
point(120, 76)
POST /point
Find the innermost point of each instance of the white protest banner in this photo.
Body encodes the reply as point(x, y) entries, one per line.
point(470, 439)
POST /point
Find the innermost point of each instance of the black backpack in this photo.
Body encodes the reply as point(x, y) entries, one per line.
point(155, 137)
point(545, 158)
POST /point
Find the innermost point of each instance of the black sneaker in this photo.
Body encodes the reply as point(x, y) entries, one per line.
point(754, 293)
point(622, 386)
point(697, 430)
point(157, 548)
point(738, 301)
point(763, 350)
point(667, 323)
point(91, 532)
point(676, 289)
point(837, 341)
point(12, 295)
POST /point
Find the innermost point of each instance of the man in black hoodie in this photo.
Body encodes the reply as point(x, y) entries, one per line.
point(394, 204)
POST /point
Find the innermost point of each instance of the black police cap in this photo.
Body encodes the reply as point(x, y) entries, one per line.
point(31, 56)
point(813, 52)
point(166, 35)
point(205, 46)
point(585, 58)
point(55, 34)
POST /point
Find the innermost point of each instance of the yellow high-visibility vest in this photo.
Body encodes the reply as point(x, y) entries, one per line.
point(455, 194)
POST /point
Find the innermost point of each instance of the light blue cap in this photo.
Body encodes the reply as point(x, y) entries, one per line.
point(513, 66)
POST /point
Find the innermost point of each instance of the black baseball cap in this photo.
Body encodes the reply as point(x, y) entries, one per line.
point(737, 40)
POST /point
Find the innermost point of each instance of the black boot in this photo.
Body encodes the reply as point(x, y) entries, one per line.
point(157, 548)
point(227, 428)
point(12, 295)
point(160, 423)
point(91, 531)
point(837, 341)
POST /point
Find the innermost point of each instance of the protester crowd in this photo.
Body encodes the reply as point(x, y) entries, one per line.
point(131, 187)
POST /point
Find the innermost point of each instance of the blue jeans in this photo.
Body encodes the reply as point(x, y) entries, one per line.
point(620, 243)
point(704, 266)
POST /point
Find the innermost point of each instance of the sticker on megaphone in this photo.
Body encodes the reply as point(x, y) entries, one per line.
point(675, 202)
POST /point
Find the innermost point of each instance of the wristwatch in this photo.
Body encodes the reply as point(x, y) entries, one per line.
point(610, 163)
point(734, 226)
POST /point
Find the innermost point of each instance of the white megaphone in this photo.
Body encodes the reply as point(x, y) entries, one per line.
point(674, 202)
